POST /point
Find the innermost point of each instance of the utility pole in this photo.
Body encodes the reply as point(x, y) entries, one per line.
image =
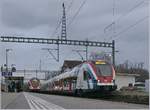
point(36, 73)
point(86, 50)
point(78, 52)
point(7, 50)
point(63, 31)
point(86, 53)
point(113, 51)
point(114, 23)
point(40, 67)
point(58, 50)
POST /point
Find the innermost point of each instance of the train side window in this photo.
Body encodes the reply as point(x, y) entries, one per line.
point(89, 76)
point(85, 76)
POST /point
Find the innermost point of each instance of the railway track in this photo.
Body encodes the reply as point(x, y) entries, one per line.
point(113, 96)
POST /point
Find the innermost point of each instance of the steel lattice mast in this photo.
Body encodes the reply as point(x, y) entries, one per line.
point(63, 30)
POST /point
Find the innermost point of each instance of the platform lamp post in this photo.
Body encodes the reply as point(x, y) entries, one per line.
point(7, 50)
point(6, 70)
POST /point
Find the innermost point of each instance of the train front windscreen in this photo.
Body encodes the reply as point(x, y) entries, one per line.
point(103, 68)
point(35, 82)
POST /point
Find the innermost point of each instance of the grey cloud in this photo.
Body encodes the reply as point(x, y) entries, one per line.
point(38, 18)
point(20, 15)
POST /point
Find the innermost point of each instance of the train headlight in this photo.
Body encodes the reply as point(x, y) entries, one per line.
point(99, 81)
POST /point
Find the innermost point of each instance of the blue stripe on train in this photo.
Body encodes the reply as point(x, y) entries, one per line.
point(94, 82)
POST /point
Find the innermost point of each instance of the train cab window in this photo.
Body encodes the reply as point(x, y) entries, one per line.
point(103, 68)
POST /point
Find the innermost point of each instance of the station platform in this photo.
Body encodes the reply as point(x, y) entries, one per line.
point(29, 100)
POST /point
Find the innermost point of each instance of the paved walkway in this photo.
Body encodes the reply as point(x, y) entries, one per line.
point(26, 100)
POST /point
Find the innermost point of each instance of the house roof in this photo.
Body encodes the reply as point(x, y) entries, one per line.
point(71, 63)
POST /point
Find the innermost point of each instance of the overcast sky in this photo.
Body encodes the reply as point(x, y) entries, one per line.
point(39, 18)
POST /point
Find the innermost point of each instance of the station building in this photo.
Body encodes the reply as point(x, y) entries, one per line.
point(124, 79)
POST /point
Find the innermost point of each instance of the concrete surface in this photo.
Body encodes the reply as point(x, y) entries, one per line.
point(7, 98)
point(26, 100)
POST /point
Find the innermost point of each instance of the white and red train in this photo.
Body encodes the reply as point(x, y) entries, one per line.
point(34, 84)
point(90, 76)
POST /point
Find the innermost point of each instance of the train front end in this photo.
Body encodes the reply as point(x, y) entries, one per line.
point(34, 84)
point(105, 74)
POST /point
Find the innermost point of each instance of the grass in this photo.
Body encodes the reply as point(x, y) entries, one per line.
point(137, 97)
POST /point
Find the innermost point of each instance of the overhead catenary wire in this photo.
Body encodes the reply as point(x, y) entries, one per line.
point(125, 14)
point(129, 27)
point(78, 11)
point(56, 29)
point(70, 5)
point(131, 10)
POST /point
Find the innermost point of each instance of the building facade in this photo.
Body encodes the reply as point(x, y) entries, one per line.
point(124, 79)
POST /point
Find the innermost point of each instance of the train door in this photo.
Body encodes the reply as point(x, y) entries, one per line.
point(69, 84)
point(82, 82)
point(85, 80)
point(80, 79)
point(73, 83)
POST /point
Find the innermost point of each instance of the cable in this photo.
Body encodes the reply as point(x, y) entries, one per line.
point(126, 29)
point(83, 3)
point(57, 27)
point(69, 7)
point(131, 10)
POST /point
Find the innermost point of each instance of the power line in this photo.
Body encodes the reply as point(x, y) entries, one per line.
point(79, 9)
point(79, 53)
point(114, 24)
point(126, 29)
point(57, 27)
point(131, 10)
point(69, 7)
